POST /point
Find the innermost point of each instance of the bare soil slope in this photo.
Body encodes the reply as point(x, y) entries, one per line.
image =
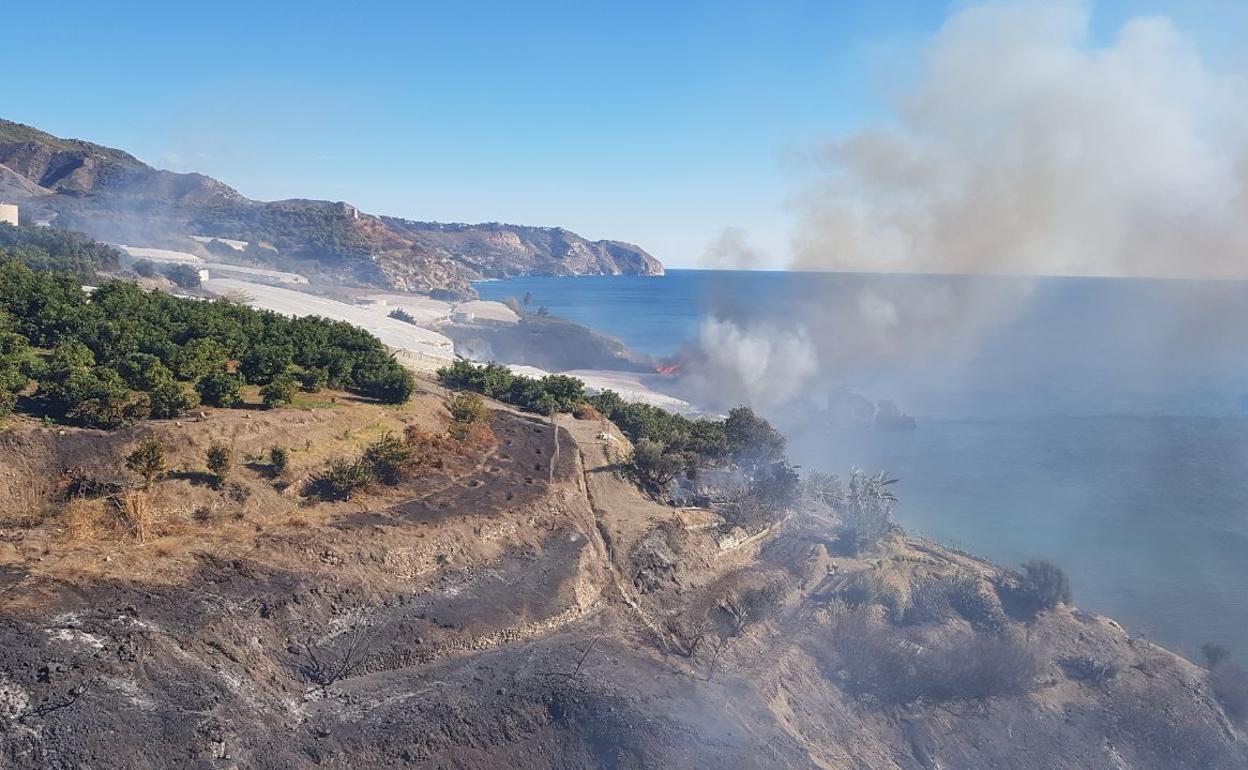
point(521, 606)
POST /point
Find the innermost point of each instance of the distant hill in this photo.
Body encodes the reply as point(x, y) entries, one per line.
point(112, 195)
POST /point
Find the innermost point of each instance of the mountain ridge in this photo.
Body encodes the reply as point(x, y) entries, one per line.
point(112, 195)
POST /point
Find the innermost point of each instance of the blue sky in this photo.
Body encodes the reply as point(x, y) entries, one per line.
point(657, 123)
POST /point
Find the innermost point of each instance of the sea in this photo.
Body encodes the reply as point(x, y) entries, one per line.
point(1098, 423)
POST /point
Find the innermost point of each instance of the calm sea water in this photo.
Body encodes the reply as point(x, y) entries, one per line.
point(1097, 423)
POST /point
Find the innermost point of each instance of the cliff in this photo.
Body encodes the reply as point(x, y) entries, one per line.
point(111, 195)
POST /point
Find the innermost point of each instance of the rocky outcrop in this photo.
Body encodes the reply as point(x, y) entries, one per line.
point(114, 196)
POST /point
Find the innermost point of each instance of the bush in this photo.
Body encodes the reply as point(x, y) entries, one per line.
point(147, 459)
point(145, 268)
point(386, 457)
point(866, 587)
point(939, 598)
point(751, 440)
point(1043, 585)
point(341, 479)
point(279, 391)
point(866, 514)
point(238, 492)
point(547, 395)
point(185, 276)
point(468, 409)
point(890, 669)
point(279, 460)
point(654, 465)
point(761, 602)
point(220, 460)
point(584, 411)
point(219, 388)
point(313, 380)
point(399, 314)
point(170, 399)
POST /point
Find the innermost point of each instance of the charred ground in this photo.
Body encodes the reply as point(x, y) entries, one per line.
point(518, 602)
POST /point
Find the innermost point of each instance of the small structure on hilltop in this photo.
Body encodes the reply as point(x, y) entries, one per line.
point(8, 213)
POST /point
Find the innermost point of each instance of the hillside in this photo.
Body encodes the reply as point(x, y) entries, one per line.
point(517, 603)
point(112, 195)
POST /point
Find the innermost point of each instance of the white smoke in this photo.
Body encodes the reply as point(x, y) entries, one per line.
point(1024, 148)
point(754, 365)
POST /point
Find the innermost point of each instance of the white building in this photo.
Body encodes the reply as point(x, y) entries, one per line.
point(8, 213)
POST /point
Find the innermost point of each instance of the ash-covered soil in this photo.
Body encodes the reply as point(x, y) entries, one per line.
point(527, 608)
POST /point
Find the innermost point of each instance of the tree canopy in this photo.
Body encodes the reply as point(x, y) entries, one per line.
point(124, 353)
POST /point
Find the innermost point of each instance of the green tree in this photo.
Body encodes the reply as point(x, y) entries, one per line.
point(1044, 585)
point(148, 460)
point(169, 399)
point(655, 465)
point(219, 388)
point(145, 268)
point(220, 460)
point(752, 441)
point(184, 276)
point(262, 363)
point(313, 380)
point(199, 357)
point(279, 460)
point(280, 390)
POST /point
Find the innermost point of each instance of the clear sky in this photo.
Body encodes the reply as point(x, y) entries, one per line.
point(658, 123)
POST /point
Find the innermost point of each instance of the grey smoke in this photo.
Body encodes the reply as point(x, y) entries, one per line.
point(1021, 149)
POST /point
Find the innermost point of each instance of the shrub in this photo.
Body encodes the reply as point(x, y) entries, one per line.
point(866, 587)
point(219, 388)
point(220, 460)
point(937, 599)
point(386, 457)
point(110, 412)
point(761, 602)
point(751, 440)
point(879, 664)
point(1043, 585)
point(313, 380)
point(547, 395)
point(137, 515)
point(279, 460)
point(654, 465)
point(184, 276)
point(468, 408)
point(341, 479)
point(147, 459)
point(279, 391)
point(238, 492)
point(585, 411)
point(399, 314)
point(170, 399)
point(145, 268)
point(866, 514)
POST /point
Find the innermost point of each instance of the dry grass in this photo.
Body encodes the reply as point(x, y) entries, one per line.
point(83, 519)
point(136, 515)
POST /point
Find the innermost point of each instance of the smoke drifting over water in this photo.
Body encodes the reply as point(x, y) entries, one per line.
point(1021, 149)
point(1024, 149)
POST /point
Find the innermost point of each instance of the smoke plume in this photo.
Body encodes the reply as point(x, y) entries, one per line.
point(1023, 148)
